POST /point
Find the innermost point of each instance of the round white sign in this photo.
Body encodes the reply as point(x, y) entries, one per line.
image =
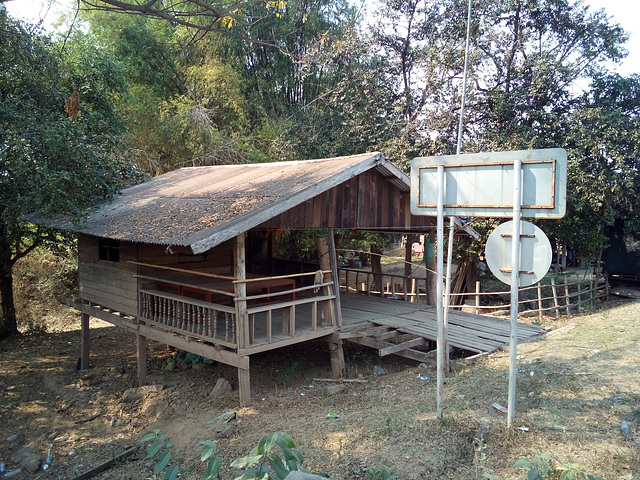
point(535, 253)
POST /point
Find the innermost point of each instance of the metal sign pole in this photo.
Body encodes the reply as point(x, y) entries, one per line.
point(515, 283)
point(439, 309)
point(447, 294)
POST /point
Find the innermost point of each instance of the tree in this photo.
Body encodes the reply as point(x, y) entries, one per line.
point(60, 150)
point(532, 53)
point(202, 17)
point(603, 143)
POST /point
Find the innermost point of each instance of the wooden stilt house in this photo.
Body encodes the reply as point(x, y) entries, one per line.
point(187, 258)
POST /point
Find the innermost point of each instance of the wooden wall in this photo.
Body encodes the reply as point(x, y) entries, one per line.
point(368, 201)
point(110, 284)
point(217, 260)
point(113, 284)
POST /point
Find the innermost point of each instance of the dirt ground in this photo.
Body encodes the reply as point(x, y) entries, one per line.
point(574, 391)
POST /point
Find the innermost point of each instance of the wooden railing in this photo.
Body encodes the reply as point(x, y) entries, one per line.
point(296, 309)
point(209, 321)
point(410, 289)
point(550, 298)
point(553, 298)
point(287, 311)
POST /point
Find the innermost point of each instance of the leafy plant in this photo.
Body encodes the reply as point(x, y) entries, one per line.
point(544, 467)
point(481, 459)
point(381, 474)
point(160, 449)
point(264, 462)
point(213, 462)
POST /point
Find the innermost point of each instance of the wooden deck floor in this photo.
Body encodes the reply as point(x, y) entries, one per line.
point(475, 333)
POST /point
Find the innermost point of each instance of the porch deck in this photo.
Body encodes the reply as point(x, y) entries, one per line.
point(467, 331)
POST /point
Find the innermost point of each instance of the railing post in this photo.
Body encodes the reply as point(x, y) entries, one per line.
point(477, 310)
point(555, 296)
point(539, 302)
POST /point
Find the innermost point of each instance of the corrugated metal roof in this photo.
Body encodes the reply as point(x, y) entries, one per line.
point(202, 207)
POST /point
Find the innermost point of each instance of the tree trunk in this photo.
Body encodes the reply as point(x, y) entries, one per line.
point(8, 321)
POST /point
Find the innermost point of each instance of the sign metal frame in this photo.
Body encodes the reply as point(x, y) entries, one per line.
point(430, 180)
point(480, 184)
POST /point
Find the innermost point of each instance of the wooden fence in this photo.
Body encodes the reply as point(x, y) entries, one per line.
point(561, 295)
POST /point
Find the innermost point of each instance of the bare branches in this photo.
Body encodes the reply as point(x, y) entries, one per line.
point(200, 15)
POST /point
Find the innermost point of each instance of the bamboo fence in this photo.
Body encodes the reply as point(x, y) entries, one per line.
point(554, 298)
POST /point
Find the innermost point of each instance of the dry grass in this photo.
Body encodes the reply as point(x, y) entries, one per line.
point(38, 279)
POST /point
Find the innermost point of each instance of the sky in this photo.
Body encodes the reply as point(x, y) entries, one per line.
point(627, 14)
point(624, 12)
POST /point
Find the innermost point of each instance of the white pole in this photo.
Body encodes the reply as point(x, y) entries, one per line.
point(464, 78)
point(439, 309)
point(515, 283)
point(447, 292)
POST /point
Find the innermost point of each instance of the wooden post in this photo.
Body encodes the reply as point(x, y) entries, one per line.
point(413, 291)
point(142, 359)
point(334, 273)
point(567, 300)
point(592, 289)
point(244, 385)
point(539, 302)
point(555, 296)
point(477, 310)
point(242, 317)
point(607, 287)
point(84, 341)
point(324, 262)
point(337, 356)
point(329, 261)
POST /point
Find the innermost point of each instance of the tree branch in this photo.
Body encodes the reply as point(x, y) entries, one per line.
point(178, 13)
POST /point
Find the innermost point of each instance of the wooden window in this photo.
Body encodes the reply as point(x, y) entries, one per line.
point(109, 249)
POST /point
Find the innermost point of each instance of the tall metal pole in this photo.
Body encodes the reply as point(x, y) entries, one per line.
point(464, 78)
point(447, 292)
point(515, 283)
point(439, 309)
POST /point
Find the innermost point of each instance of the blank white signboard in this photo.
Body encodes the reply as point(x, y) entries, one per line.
point(481, 184)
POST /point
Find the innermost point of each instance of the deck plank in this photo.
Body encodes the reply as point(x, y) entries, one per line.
point(468, 331)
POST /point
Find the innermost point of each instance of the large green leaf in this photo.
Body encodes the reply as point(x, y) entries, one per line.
point(246, 462)
point(278, 467)
point(171, 473)
point(153, 449)
point(208, 450)
point(213, 469)
point(163, 460)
